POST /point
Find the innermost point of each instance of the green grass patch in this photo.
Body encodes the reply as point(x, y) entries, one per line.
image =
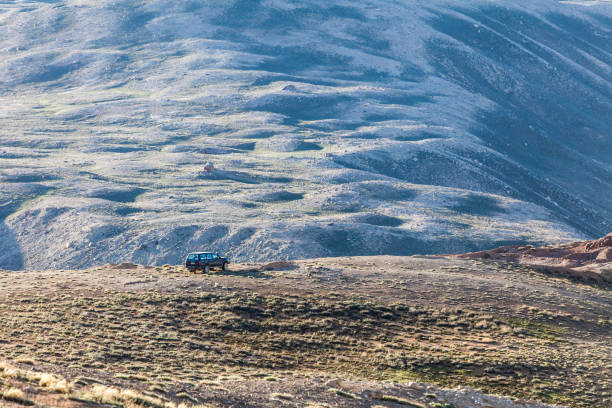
point(402, 401)
point(539, 330)
point(343, 393)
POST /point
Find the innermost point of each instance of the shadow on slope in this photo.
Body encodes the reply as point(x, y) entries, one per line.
point(363, 239)
point(380, 220)
point(128, 195)
point(11, 257)
point(12, 197)
point(296, 61)
point(478, 205)
point(554, 132)
point(243, 177)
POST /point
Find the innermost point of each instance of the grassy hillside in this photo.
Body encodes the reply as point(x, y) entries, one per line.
point(466, 126)
point(342, 331)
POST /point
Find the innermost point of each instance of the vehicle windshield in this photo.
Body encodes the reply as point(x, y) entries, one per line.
point(192, 257)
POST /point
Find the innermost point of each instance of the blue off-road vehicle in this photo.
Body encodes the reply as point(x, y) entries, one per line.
point(205, 261)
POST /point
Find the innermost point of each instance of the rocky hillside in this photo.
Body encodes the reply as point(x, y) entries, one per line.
point(333, 127)
point(586, 261)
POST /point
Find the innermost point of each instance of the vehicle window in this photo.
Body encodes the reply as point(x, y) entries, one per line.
point(210, 256)
point(192, 257)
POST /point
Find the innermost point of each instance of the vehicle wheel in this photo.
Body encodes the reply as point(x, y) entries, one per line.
point(207, 269)
point(224, 267)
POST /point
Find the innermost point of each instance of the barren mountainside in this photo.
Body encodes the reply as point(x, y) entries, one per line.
point(334, 128)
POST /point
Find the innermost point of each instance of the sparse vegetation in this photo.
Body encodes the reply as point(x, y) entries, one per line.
point(343, 393)
point(441, 405)
point(281, 396)
point(203, 335)
point(184, 395)
point(16, 395)
point(402, 401)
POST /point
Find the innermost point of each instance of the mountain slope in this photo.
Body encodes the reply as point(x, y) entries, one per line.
point(335, 128)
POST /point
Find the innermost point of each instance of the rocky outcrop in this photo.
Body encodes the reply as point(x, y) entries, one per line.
point(587, 260)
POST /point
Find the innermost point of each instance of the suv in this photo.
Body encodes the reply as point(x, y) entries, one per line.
point(205, 261)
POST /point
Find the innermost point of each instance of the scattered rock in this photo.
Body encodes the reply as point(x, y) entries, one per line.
point(209, 167)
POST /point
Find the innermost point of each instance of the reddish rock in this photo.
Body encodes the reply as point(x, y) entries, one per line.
point(588, 260)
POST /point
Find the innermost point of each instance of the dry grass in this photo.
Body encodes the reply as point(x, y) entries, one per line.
point(281, 396)
point(367, 340)
point(52, 383)
point(209, 338)
point(128, 398)
point(80, 391)
point(47, 381)
point(16, 395)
